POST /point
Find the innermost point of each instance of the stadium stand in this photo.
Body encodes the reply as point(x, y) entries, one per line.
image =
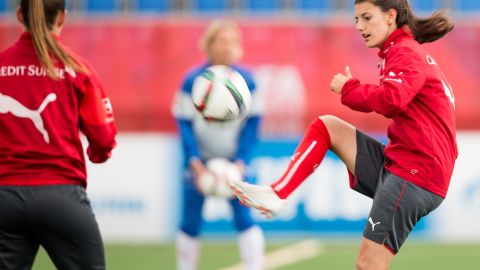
point(74, 6)
point(239, 7)
point(263, 6)
point(314, 6)
point(102, 6)
point(154, 6)
point(427, 6)
point(3, 6)
point(468, 5)
point(210, 6)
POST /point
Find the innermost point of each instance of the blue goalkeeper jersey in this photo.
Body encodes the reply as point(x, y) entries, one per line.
point(206, 139)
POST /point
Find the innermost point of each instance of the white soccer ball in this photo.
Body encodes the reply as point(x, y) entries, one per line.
point(207, 183)
point(220, 93)
point(216, 181)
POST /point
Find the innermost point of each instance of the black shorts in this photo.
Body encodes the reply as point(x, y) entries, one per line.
point(397, 204)
point(58, 218)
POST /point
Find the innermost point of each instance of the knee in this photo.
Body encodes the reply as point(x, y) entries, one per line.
point(364, 263)
point(336, 126)
point(329, 120)
point(361, 264)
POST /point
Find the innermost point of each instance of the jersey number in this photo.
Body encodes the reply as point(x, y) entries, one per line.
point(446, 86)
point(448, 91)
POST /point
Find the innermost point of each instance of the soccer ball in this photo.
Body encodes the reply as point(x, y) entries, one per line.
point(220, 93)
point(216, 181)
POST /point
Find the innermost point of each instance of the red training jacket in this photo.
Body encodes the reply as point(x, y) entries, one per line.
point(40, 120)
point(414, 93)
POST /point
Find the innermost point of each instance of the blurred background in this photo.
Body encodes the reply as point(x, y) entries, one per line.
point(141, 50)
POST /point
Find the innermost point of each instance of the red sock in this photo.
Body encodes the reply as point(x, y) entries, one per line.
point(307, 158)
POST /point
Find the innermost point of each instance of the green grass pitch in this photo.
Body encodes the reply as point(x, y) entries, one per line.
point(335, 255)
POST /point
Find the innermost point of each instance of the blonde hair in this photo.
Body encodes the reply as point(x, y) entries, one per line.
point(212, 31)
point(38, 18)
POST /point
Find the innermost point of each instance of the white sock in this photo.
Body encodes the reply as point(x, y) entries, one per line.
point(188, 249)
point(252, 247)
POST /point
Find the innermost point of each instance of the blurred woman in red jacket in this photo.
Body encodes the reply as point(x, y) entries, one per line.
point(47, 96)
point(409, 177)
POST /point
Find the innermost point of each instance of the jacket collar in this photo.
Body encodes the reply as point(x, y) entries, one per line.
point(27, 37)
point(395, 37)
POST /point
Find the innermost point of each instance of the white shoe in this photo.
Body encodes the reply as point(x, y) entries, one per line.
point(261, 197)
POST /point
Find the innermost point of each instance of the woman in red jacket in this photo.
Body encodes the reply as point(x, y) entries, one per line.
point(409, 177)
point(47, 96)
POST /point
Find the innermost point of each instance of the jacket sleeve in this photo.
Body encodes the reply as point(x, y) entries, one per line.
point(403, 78)
point(184, 112)
point(248, 138)
point(96, 119)
point(187, 136)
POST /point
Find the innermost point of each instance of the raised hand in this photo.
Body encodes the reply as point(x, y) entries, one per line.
point(339, 80)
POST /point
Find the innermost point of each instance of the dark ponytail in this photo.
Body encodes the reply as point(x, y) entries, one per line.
point(431, 28)
point(424, 29)
point(39, 17)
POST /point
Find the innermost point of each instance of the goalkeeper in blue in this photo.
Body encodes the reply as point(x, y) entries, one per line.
point(204, 140)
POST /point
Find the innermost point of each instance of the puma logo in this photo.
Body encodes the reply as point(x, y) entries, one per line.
point(373, 224)
point(11, 105)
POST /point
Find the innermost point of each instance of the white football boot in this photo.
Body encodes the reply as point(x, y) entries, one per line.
point(261, 197)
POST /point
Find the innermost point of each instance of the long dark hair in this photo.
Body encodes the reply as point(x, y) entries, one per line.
point(39, 17)
point(424, 29)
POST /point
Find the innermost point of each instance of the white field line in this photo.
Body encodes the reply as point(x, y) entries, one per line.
point(288, 255)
